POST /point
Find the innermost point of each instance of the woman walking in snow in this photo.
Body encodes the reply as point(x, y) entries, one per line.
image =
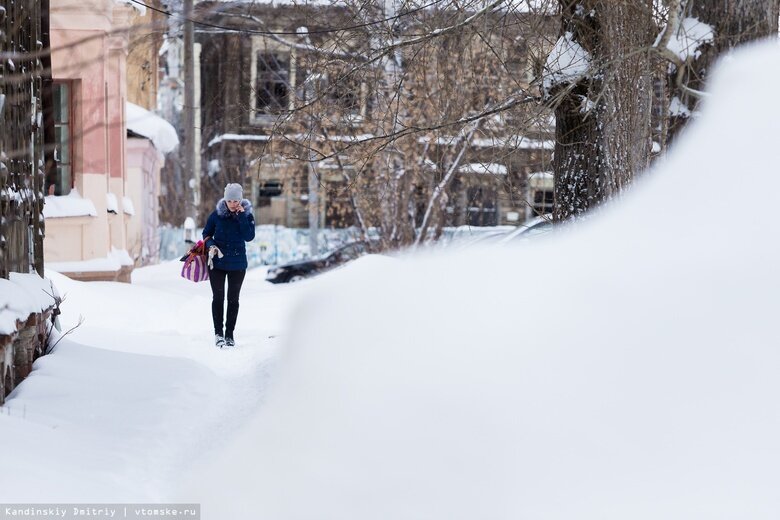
point(227, 230)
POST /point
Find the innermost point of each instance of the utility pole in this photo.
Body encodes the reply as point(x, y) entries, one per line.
point(189, 113)
point(314, 202)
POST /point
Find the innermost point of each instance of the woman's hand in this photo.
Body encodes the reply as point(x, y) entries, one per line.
point(235, 206)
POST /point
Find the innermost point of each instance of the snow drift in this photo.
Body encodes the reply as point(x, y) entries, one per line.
point(635, 376)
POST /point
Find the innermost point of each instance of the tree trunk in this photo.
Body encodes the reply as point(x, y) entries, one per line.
point(603, 125)
point(734, 22)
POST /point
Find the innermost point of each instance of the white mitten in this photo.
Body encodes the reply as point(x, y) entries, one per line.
point(214, 250)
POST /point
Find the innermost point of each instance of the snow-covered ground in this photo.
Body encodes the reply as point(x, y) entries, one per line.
point(626, 367)
point(137, 391)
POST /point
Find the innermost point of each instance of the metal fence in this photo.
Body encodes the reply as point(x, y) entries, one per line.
point(272, 245)
point(275, 245)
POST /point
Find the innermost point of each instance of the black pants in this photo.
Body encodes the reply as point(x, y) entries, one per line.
point(234, 280)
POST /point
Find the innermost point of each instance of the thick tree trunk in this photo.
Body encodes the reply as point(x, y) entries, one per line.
point(603, 125)
point(577, 183)
point(736, 21)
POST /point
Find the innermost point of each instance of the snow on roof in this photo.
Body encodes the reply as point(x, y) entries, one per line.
point(483, 168)
point(70, 205)
point(274, 3)
point(142, 122)
point(21, 295)
point(541, 180)
point(567, 62)
point(515, 141)
point(347, 138)
point(545, 7)
point(292, 137)
point(238, 137)
point(512, 141)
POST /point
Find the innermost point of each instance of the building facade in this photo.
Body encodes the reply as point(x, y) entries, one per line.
point(97, 203)
point(254, 92)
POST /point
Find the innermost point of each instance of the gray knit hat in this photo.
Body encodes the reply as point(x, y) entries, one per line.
point(233, 191)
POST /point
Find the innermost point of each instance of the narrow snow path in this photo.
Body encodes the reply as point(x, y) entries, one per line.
point(137, 393)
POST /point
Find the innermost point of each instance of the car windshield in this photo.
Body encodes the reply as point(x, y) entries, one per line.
point(346, 252)
point(537, 229)
point(537, 226)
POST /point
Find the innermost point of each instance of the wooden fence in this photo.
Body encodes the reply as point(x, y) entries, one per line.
point(26, 124)
point(25, 85)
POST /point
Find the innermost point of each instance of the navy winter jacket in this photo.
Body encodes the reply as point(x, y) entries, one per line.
point(230, 232)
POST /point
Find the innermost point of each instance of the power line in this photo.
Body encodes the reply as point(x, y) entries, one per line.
point(287, 33)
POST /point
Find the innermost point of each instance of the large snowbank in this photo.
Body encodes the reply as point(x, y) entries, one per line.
point(624, 369)
point(23, 294)
point(142, 122)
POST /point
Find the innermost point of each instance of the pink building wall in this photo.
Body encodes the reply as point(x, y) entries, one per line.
point(90, 55)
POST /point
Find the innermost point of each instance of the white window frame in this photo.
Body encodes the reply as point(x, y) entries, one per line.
point(261, 45)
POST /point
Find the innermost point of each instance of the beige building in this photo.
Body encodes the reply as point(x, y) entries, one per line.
point(250, 133)
point(105, 184)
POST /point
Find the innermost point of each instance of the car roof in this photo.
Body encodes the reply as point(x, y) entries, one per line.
point(534, 223)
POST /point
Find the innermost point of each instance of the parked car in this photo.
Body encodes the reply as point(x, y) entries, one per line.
point(297, 271)
point(533, 227)
point(486, 236)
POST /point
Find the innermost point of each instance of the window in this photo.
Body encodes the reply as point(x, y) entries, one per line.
point(63, 155)
point(345, 93)
point(339, 208)
point(543, 201)
point(482, 207)
point(272, 82)
point(269, 190)
point(342, 94)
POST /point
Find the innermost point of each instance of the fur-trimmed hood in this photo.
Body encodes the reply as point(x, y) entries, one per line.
point(223, 211)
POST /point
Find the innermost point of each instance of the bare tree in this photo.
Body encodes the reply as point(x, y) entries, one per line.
point(398, 99)
point(398, 105)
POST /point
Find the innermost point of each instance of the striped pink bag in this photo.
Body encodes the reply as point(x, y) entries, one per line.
point(195, 268)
